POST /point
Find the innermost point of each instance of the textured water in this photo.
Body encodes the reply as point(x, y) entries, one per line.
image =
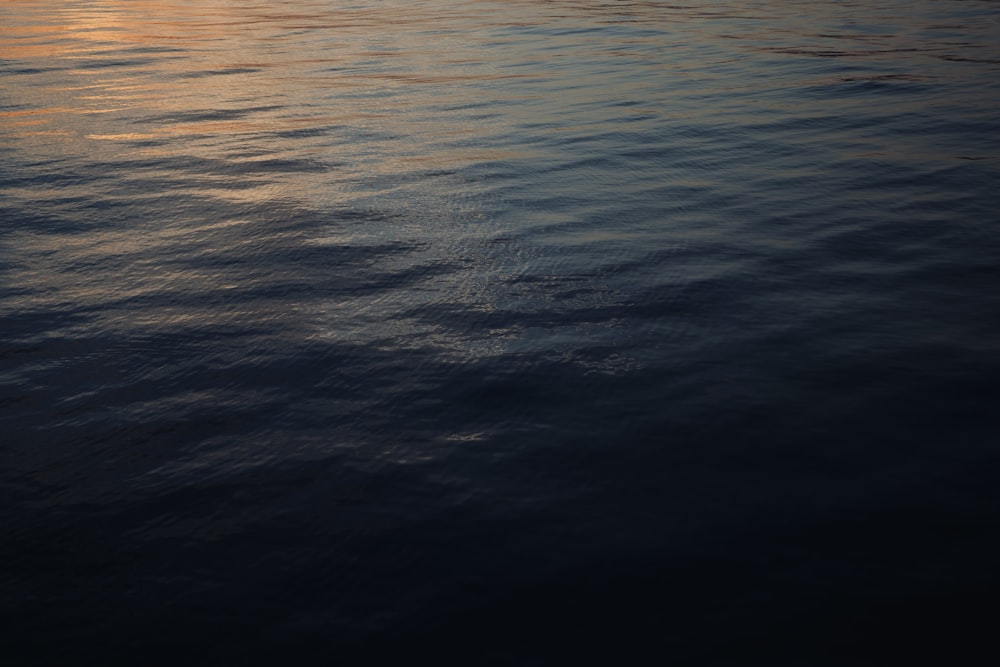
point(499, 332)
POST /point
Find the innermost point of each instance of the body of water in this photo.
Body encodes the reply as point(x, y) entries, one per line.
point(504, 333)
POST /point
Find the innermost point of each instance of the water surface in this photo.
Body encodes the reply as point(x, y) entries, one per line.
point(499, 332)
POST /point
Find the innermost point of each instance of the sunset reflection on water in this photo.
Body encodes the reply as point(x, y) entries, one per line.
point(378, 88)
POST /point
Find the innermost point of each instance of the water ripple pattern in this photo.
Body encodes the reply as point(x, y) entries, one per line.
point(362, 325)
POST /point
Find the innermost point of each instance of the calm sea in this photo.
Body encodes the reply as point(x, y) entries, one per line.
point(507, 333)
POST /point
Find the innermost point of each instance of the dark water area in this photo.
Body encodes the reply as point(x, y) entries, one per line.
point(502, 333)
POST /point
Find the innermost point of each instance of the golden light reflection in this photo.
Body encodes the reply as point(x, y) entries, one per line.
point(128, 136)
point(214, 79)
point(375, 90)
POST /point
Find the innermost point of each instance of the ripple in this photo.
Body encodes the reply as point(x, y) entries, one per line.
point(389, 318)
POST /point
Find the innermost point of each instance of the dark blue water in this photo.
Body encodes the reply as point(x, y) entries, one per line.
point(508, 333)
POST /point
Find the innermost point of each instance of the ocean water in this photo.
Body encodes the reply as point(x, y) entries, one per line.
point(506, 333)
